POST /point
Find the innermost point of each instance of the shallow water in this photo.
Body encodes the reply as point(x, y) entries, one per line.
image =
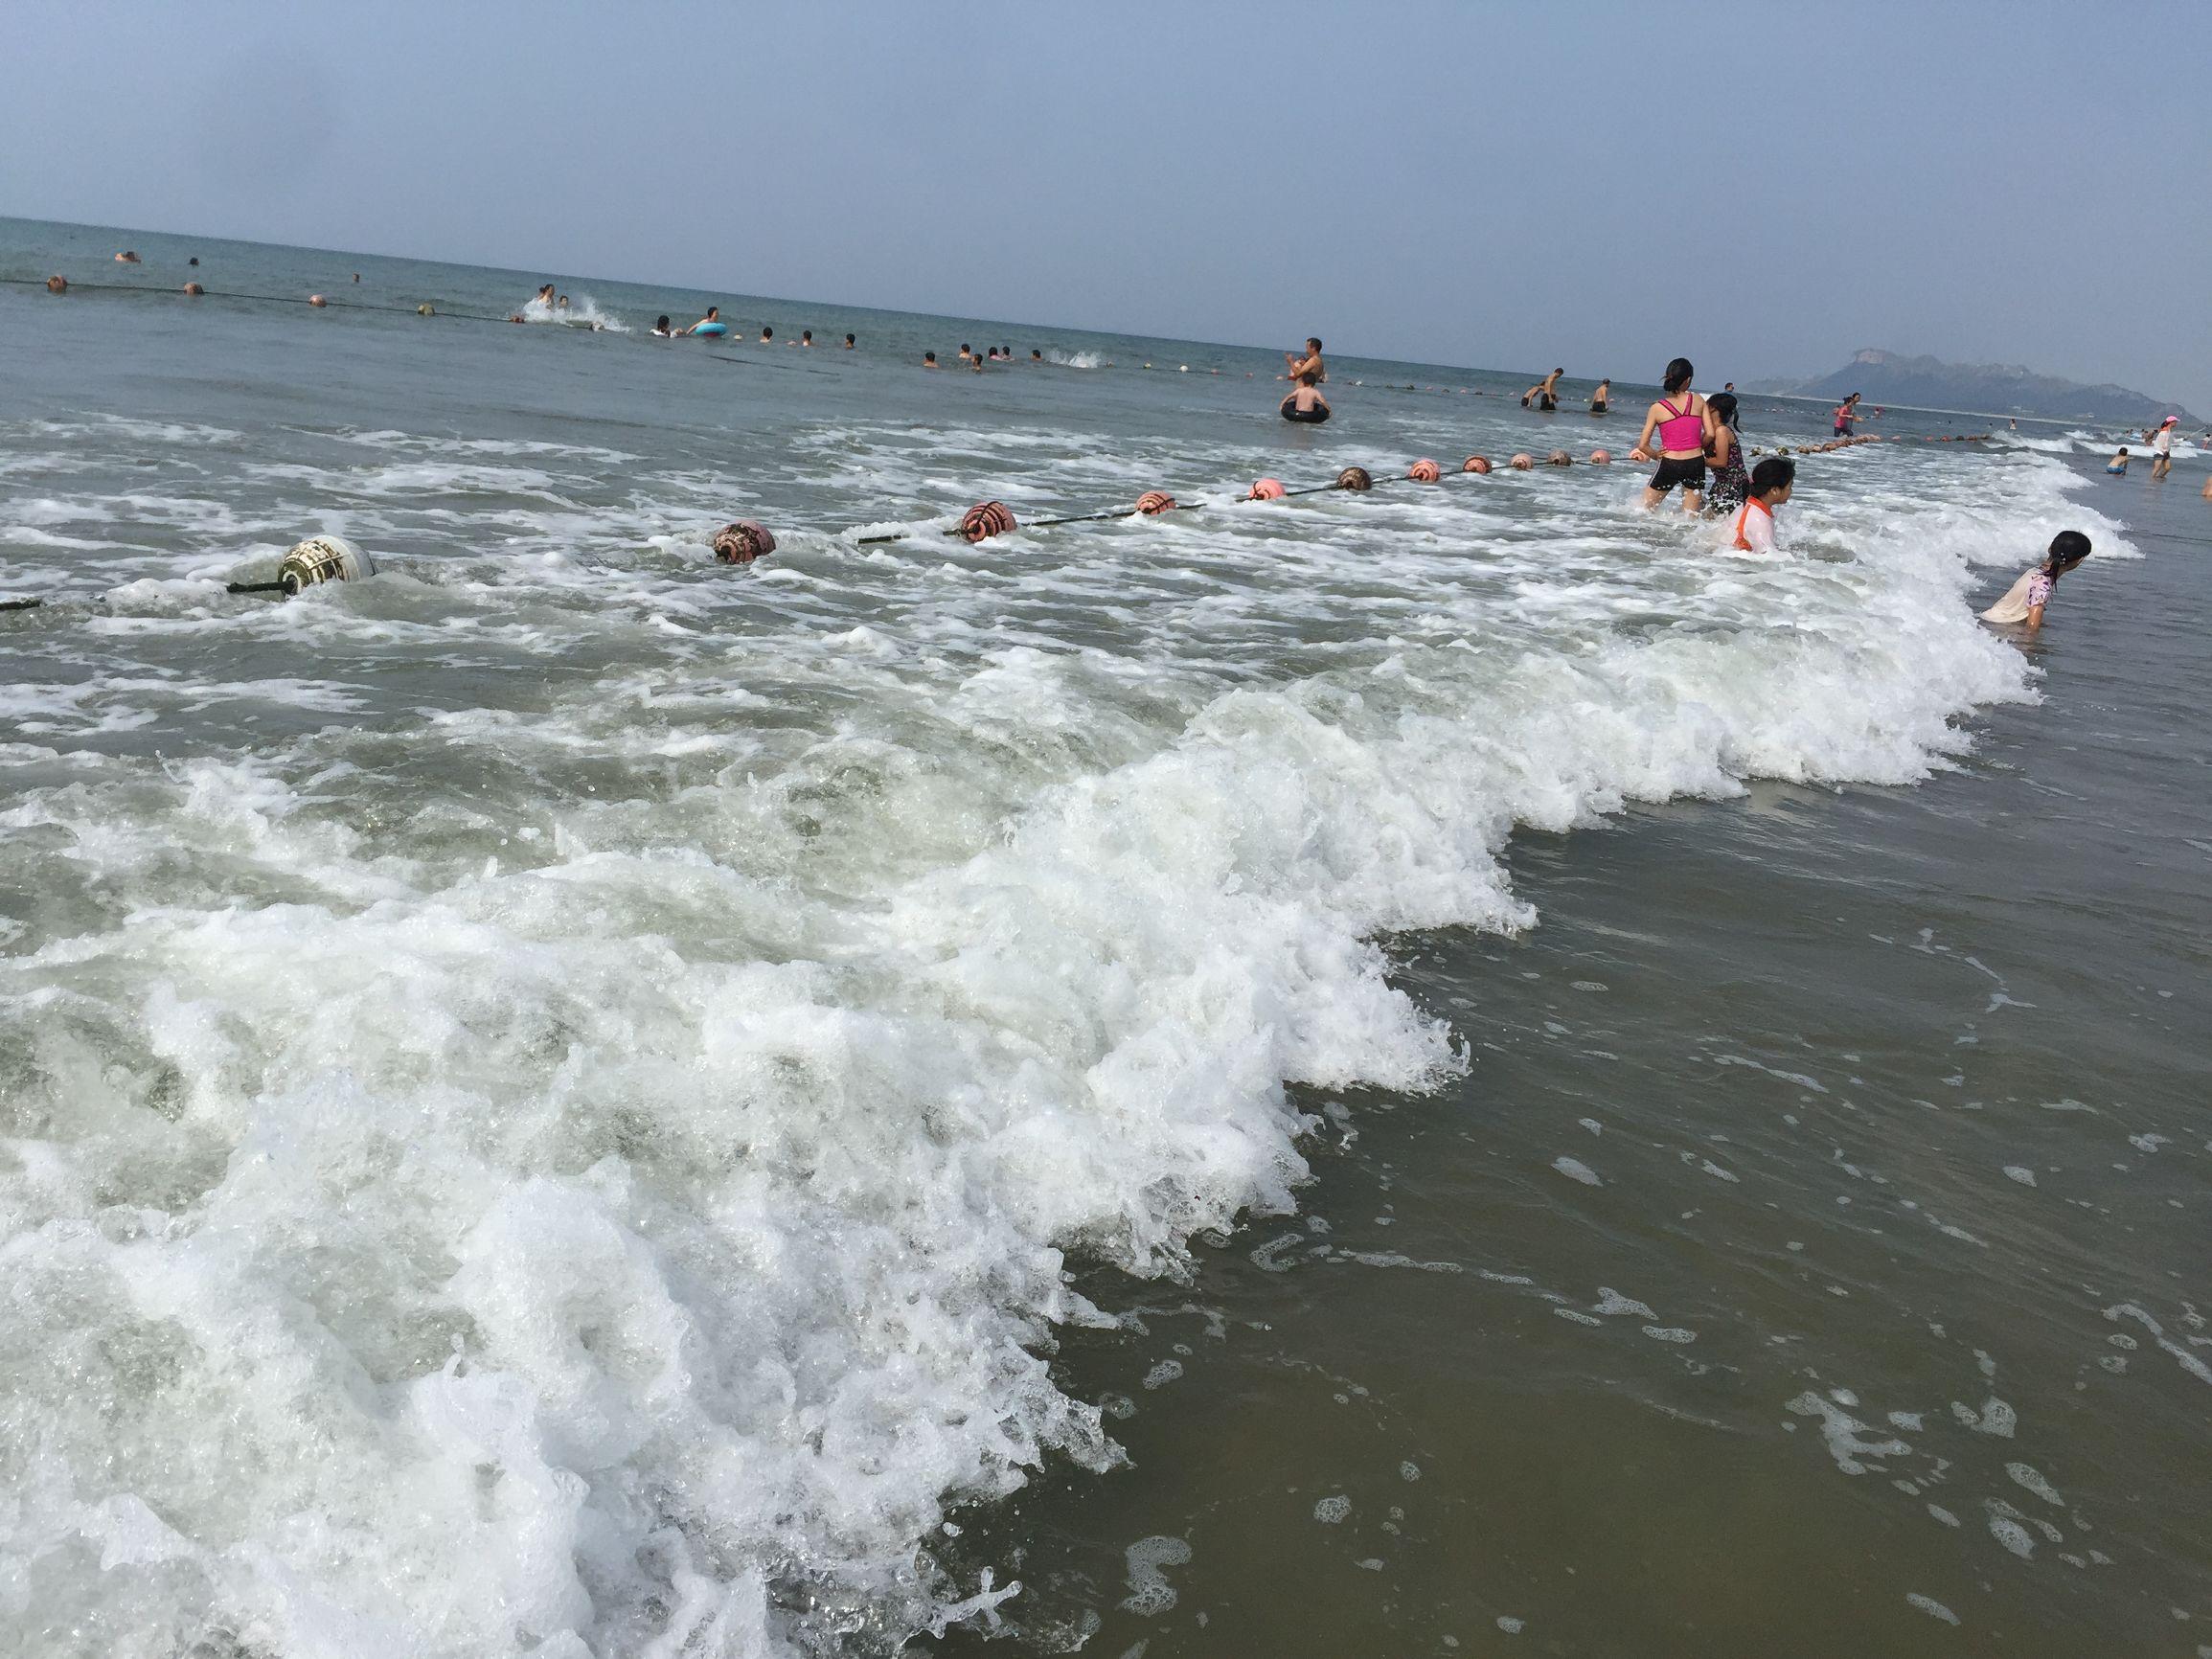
point(572, 1099)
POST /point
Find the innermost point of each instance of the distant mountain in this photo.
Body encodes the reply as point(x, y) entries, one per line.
point(1986, 388)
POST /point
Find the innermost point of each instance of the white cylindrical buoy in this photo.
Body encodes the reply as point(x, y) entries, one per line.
point(322, 559)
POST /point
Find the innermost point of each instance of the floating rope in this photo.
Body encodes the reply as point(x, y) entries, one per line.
point(192, 290)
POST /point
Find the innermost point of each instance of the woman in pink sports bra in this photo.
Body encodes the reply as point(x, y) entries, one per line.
point(1684, 424)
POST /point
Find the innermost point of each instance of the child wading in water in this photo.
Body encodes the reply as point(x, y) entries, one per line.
point(2024, 602)
point(1772, 482)
point(2117, 467)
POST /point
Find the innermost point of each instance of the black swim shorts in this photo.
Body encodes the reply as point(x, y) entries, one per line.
point(1689, 471)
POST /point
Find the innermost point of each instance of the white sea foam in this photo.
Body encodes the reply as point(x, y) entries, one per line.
point(596, 1167)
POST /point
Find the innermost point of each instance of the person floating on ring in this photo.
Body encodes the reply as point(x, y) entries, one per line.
point(1305, 404)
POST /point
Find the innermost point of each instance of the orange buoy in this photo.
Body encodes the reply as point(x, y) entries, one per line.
point(1601, 457)
point(1522, 461)
point(1476, 464)
point(1266, 490)
point(1558, 458)
point(985, 519)
point(1423, 472)
point(742, 541)
point(1153, 501)
point(1355, 478)
point(58, 284)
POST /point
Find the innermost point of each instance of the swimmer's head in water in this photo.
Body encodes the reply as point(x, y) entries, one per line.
point(1679, 374)
point(714, 313)
point(2068, 548)
point(1035, 355)
point(849, 342)
point(767, 334)
point(806, 336)
point(929, 359)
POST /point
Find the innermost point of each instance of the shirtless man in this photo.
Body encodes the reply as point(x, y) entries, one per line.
point(1310, 360)
point(1545, 392)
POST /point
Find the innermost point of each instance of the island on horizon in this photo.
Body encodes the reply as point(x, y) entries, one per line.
point(1888, 377)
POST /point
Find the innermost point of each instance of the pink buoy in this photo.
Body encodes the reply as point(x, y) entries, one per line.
point(1476, 464)
point(1266, 490)
point(1601, 457)
point(1423, 472)
point(1522, 461)
point(742, 542)
point(1153, 501)
point(194, 288)
point(985, 519)
point(317, 300)
point(1558, 458)
point(58, 284)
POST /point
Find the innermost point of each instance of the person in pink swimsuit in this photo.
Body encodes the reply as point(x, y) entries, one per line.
point(1684, 426)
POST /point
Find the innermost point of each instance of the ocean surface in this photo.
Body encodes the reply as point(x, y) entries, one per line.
point(1453, 1071)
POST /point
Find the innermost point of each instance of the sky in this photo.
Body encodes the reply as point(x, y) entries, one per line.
point(1762, 187)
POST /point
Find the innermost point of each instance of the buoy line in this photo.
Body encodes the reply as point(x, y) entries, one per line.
point(328, 558)
point(987, 519)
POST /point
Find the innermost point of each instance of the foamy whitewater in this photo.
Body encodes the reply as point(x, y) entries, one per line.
point(552, 1094)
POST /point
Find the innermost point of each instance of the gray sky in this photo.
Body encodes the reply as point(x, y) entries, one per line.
point(1763, 188)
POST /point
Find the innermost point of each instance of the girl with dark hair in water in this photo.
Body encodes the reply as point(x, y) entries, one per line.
point(1731, 480)
point(1684, 426)
point(2024, 602)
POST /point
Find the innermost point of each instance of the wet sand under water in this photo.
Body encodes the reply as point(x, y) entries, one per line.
point(1884, 1310)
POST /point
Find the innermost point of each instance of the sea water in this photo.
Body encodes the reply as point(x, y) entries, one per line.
point(569, 1099)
